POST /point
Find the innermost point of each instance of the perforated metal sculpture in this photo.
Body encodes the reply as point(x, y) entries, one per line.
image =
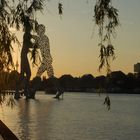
point(42, 42)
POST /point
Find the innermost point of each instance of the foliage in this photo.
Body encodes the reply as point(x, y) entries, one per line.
point(24, 15)
point(15, 14)
point(106, 18)
point(60, 8)
point(6, 37)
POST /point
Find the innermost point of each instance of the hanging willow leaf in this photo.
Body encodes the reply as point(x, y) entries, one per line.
point(6, 36)
point(102, 56)
point(6, 39)
point(35, 5)
point(106, 18)
point(24, 16)
point(60, 8)
point(14, 17)
point(110, 51)
point(105, 54)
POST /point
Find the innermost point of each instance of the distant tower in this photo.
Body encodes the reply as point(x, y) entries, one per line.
point(17, 65)
point(137, 68)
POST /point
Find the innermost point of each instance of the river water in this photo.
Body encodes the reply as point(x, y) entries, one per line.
point(79, 116)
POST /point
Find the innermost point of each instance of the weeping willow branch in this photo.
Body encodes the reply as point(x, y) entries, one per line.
point(6, 37)
point(24, 16)
point(60, 8)
point(106, 18)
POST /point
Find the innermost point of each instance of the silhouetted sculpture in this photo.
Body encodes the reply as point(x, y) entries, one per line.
point(42, 42)
point(25, 73)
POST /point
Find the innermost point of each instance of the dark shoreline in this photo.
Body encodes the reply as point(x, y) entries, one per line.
point(105, 92)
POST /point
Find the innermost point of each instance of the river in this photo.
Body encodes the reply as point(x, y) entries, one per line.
point(79, 116)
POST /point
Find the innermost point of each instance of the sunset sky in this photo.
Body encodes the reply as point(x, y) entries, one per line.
point(74, 37)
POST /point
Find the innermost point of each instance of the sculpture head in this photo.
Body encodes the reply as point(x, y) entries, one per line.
point(41, 29)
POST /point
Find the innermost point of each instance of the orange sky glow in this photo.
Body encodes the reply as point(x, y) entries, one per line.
point(74, 37)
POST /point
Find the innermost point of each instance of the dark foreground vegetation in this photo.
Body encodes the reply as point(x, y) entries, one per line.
point(115, 82)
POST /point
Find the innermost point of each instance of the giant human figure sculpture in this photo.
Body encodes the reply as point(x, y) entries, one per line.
point(42, 42)
point(25, 72)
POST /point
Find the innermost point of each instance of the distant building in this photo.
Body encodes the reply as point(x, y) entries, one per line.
point(137, 68)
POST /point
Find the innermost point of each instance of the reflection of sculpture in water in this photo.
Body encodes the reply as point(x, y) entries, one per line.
point(42, 42)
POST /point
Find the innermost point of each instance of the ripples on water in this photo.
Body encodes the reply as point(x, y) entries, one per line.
point(80, 116)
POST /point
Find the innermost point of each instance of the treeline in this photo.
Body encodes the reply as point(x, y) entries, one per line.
point(115, 82)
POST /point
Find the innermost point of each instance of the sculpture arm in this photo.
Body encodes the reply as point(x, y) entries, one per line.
point(35, 43)
point(35, 37)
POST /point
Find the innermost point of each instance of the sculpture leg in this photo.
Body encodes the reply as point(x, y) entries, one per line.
point(47, 66)
point(18, 83)
point(24, 76)
point(42, 68)
point(58, 87)
point(27, 81)
point(55, 81)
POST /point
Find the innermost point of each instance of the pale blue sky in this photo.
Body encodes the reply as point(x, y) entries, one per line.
point(73, 49)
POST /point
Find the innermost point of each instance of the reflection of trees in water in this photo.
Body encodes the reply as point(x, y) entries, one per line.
point(24, 118)
point(32, 118)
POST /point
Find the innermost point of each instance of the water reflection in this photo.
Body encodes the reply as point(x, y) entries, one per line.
point(24, 119)
point(77, 117)
point(32, 118)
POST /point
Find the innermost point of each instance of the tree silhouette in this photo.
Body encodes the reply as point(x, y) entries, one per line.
point(17, 14)
point(6, 37)
point(21, 14)
point(105, 17)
